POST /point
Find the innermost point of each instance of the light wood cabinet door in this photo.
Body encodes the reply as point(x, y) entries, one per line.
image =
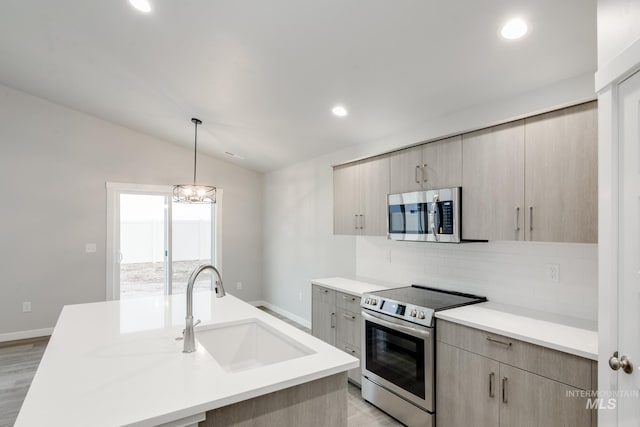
point(346, 199)
point(374, 188)
point(493, 183)
point(348, 328)
point(561, 152)
point(467, 388)
point(406, 170)
point(323, 312)
point(442, 164)
point(529, 400)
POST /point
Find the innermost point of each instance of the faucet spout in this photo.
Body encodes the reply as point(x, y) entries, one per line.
point(189, 333)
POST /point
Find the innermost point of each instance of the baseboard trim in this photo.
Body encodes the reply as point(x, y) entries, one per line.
point(283, 312)
point(23, 335)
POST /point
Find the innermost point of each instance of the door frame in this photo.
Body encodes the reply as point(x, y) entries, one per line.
point(607, 80)
point(114, 189)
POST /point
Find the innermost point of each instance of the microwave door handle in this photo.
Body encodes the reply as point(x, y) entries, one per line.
point(434, 206)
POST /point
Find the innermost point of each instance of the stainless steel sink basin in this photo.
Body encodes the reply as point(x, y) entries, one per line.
point(248, 344)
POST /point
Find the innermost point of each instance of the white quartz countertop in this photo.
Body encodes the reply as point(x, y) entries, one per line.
point(349, 286)
point(117, 363)
point(565, 334)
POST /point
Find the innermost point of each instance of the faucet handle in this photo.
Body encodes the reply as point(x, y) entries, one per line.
point(197, 323)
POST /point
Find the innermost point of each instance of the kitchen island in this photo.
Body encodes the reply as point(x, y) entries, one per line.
point(118, 363)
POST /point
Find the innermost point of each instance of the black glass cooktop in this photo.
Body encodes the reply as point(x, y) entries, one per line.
point(435, 299)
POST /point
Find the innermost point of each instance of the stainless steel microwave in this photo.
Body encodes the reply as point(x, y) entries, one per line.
point(428, 216)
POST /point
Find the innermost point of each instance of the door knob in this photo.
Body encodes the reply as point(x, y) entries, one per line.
point(624, 362)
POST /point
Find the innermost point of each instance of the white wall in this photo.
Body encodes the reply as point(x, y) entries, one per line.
point(505, 272)
point(618, 28)
point(54, 163)
point(299, 245)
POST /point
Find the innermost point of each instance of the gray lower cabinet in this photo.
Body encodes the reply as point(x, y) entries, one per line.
point(487, 380)
point(336, 320)
point(323, 314)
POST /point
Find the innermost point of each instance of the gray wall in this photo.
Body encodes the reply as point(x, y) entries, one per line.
point(299, 245)
point(54, 163)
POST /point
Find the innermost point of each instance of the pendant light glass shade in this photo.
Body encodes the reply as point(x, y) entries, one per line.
point(192, 193)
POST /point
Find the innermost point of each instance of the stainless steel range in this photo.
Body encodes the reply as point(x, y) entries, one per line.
point(398, 342)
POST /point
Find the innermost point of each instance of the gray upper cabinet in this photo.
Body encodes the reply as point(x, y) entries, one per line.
point(442, 163)
point(531, 179)
point(406, 170)
point(561, 176)
point(360, 197)
point(493, 183)
point(346, 199)
point(434, 165)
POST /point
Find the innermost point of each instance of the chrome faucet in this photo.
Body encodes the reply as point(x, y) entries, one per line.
point(189, 334)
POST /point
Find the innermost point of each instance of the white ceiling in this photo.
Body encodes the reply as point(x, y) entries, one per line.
point(263, 75)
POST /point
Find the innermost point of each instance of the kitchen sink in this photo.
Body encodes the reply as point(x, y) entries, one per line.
point(248, 344)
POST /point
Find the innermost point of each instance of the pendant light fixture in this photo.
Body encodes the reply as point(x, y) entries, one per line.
point(192, 193)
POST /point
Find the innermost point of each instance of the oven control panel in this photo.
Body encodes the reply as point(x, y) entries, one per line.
point(408, 312)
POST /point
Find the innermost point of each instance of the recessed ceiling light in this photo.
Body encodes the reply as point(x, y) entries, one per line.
point(339, 111)
point(141, 5)
point(514, 29)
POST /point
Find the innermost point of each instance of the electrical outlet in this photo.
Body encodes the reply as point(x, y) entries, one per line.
point(389, 255)
point(553, 272)
point(26, 307)
point(239, 285)
point(300, 296)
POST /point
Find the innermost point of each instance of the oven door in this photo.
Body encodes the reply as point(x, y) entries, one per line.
point(399, 356)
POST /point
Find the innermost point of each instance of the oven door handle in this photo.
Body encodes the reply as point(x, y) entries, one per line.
point(420, 333)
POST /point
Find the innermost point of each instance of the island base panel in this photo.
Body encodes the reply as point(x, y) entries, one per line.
point(319, 403)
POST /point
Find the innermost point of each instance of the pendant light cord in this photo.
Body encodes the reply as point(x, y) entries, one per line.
point(195, 155)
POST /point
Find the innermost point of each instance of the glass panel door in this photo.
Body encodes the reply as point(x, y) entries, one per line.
point(192, 244)
point(143, 245)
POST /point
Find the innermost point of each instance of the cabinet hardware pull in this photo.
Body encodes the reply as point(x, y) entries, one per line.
point(517, 227)
point(355, 221)
point(530, 219)
point(508, 344)
point(434, 205)
point(346, 298)
point(346, 316)
point(416, 174)
point(424, 173)
point(504, 390)
point(324, 291)
point(361, 222)
point(492, 377)
point(350, 350)
point(333, 320)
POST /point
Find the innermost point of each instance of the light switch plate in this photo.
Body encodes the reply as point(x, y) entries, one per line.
point(90, 248)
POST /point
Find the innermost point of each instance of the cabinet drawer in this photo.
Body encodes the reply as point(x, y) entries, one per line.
point(354, 374)
point(348, 302)
point(563, 367)
point(348, 328)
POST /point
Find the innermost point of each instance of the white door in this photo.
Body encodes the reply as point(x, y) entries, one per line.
point(628, 401)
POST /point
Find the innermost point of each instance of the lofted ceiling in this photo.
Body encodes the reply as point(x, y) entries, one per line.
point(263, 75)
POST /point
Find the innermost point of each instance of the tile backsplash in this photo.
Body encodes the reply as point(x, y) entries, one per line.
point(515, 273)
